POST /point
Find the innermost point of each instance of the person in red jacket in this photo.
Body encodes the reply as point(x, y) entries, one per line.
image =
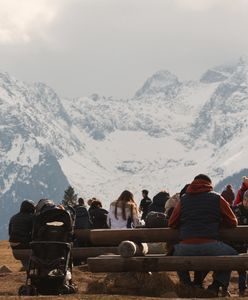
point(243, 188)
point(198, 216)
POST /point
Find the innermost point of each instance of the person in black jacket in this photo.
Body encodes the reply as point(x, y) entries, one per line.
point(98, 215)
point(20, 228)
point(158, 202)
point(82, 218)
point(144, 204)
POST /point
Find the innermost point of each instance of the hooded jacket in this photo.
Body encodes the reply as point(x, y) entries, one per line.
point(200, 213)
point(241, 191)
point(158, 202)
point(21, 224)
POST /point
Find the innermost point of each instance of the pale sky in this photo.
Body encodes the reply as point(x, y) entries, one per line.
point(110, 47)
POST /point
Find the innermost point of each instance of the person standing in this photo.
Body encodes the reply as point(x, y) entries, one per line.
point(241, 191)
point(198, 216)
point(144, 204)
point(228, 194)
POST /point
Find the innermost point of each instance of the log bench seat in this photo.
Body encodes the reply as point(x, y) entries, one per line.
point(77, 253)
point(159, 263)
point(106, 241)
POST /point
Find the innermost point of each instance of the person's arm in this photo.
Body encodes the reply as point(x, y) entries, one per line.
point(174, 219)
point(136, 219)
point(237, 199)
point(108, 220)
point(228, 217)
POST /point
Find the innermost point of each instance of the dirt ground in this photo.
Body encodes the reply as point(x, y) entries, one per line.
point(104, 286)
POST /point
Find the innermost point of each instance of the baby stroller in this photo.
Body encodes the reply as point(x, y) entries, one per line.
point(50, 264)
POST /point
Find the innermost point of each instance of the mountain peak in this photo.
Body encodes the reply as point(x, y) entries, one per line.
point(218, 73)
point(160, 82)
point(243, 60)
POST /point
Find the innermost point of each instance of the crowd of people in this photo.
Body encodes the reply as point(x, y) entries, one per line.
point(197, 211)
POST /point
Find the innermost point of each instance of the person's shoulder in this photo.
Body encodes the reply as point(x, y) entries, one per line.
point(14, 217)
point(215, 194)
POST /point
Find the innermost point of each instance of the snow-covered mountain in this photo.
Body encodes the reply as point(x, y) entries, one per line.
point(161, 138)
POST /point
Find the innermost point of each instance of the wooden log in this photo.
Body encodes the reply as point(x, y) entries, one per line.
point(85, 252)
point(138, 235)
point(77, 253)
point(82, 235)
point(145, 235)
point(157, 263)
point(129, 249)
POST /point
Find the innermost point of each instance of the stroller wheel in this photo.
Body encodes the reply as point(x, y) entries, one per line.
point(65, 289)
point(73, 288)
point(27, 290)
point(69, 289)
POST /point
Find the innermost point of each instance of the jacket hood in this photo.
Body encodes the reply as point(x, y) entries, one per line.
point(161, 198)
point(27, 206)
point(199, 186)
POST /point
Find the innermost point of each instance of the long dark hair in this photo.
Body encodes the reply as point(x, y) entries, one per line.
point(125, 198)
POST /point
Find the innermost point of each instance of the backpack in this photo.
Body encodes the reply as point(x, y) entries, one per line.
point(156, 220)
point(82, 218)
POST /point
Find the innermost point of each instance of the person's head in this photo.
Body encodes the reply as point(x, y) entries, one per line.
point(145, 193)
point(81, 201)
point(245, 181)
point(229, 187)
point(89, 202)
point(27, 206)
point(245, 199)
point(43, 204)
point(125, 198)
point(96, 203)
point(203, 177)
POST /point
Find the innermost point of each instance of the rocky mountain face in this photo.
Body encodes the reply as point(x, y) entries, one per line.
point(161, 138)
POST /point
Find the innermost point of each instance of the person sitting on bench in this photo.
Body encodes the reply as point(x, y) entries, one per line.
point(198, 216)
point(20, 228)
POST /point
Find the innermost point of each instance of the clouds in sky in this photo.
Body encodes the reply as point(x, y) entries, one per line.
point(111, 46)
point(19, 20)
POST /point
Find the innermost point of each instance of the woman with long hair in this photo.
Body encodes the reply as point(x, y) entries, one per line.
point(123, 212)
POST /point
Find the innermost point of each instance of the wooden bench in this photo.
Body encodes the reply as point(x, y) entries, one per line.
point(155, 263)
point(154, 235)
point(106, 241)
point(77, 253)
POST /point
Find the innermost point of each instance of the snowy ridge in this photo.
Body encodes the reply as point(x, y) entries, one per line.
point(162, 137)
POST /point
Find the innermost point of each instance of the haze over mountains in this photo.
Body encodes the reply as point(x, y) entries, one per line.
point(161, 138)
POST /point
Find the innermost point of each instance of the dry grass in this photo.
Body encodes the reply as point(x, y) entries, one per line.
point(121, 286)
